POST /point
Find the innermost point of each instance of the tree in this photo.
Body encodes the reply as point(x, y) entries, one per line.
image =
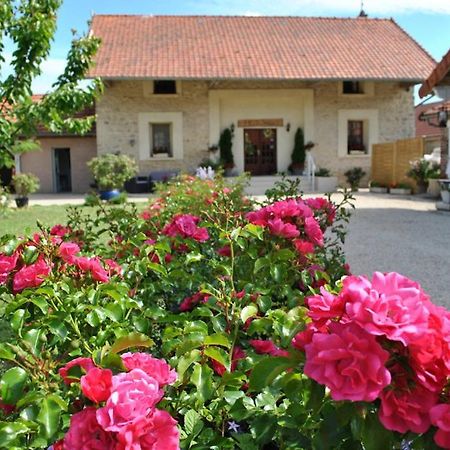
point(30, 25)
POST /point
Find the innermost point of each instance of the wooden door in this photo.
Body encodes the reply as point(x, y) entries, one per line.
point(260, 151)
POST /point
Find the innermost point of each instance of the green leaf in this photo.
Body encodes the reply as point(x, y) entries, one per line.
point(193, 257)
point(6, 353)
point(248, 311)
point(191, 419)
point(202, 377)
point(12, 384)
point(9, 432)
point(187, 360)
point(218, 339)
point(264, 428)
point(218, 355)
point(49, 415)
point(267, 370)
point(261, 263)
point(33, 338)
point(374, 435)
point(112, 361)
point(132, 340)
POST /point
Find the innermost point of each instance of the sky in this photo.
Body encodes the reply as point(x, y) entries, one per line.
point(427, 21)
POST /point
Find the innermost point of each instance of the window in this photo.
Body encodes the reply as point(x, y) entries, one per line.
point(355, 136)
point(164, 87)
point(352, 87)
point(160, 139)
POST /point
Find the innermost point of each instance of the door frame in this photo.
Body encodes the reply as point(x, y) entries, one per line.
point(54, 174)
point(261, 129)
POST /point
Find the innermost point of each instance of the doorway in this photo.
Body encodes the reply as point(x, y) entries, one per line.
point(260, 151)
point(62, 171)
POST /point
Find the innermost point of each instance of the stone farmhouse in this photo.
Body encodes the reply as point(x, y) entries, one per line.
point(173, 83)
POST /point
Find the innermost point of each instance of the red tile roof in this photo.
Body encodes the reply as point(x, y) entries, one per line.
point(272, 48)
point(440, 72)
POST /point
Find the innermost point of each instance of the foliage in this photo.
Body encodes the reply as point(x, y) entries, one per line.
point(299, 152)
point(283, 189)
point(322, 172)
point(238, 301)
point(354, 177)
point(4, 200)
point(25, 184)
point(422, 170)
point(377, 184)
point(30, 27)
point(110, 171)
point(226, 149)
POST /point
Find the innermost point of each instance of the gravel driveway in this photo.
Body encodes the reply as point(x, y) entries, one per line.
point(406, 235)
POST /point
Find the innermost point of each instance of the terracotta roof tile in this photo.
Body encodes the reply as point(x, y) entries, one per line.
point(226, 47)
point(439, 73)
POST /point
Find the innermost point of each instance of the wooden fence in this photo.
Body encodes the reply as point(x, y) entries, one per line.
point(390, 161)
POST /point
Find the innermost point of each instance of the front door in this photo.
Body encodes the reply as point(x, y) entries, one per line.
point(63, 177)
point(260, 151)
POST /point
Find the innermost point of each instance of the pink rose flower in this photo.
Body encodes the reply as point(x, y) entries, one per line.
point(60, 230)
point(349, 361)
point(304, 247)
point(279, 228)
point(96, 384)
point(98, 273)
point(156, 368)
point(238, 354)
point(67, 252)
point(267, 347)
point(440, 418)
point(7, 265)
point(406, 409)
point(325, 306)
point(31, 276)
point(83, 263)
point(313, 231)
point(157, 432)
point(224, 251)
point(133, 397)
point(85, 433)
point(390, 305)
point(185, 225)
point(85, 364)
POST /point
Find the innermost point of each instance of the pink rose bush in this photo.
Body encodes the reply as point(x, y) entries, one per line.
point(125, 415)
point(185, 226)
point(382, 339)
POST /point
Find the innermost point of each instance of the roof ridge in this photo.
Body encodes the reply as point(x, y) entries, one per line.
point(227, 16)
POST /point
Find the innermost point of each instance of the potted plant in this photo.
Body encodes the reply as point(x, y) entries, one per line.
point(354, 177)
point(298, 155)
point(226, 151)
point(110, 172)
point(24, 185)
point(378, 188)
point(402, 188)
point(421, 171)
point(325, 182)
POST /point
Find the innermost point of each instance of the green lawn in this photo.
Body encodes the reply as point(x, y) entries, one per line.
point(19, 221)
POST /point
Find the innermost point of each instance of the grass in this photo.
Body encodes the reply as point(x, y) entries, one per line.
point(24, 221)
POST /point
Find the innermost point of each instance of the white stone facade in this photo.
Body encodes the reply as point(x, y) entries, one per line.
point(205, 108)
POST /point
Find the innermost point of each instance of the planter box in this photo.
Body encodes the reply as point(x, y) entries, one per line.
point(379, 190)
point(445, 190)
point(325, 184)
point(434, 189)
point(400, 191)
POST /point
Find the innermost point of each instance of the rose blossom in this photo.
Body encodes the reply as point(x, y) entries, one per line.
point(304, 247)
point(279, 228)
point(96, 384)
point(440, 418)
point(7, 264)
point(267, 347)
point(349, 361)
point(85, 433)
point(325, 306)
point(238, 354)
point(31, 276)
point(60, 230)
point(67, 252)
point(313, 231)
point(84, 363)
point(185, 225)
point(157, 432)
point(406, 409)
point(390, 305)
point(133, 397)
point(156, 368)
point(98, 273)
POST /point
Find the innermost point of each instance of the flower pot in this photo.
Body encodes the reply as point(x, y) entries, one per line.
point(399, 191)
point(379, 190)
point(109, 195)
point(326, 184)
point(434, 189)
point(445, 190)
point(421, 188)
point(21, 202)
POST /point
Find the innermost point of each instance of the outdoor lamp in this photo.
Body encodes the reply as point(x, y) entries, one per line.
point(288, 127)
point(232, 127)
point(442, 118)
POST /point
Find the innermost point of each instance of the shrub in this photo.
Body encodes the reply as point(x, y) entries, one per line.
point(422, 170)
point(299, 153)
point(110, 171)
point(25, 184)
point(354, 177)
point(322, 172)
point(226, 149)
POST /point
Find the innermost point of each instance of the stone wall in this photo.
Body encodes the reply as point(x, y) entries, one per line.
point(117, 121)
point(118, 110)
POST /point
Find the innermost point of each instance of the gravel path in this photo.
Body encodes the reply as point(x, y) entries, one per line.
point(406, 235)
